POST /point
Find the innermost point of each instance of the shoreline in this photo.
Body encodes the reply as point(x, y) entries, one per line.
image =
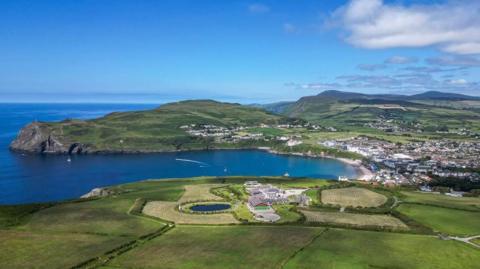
point(362, 172)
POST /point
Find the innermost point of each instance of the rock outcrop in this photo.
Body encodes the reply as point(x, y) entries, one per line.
point(37, 137)
point(97, 192)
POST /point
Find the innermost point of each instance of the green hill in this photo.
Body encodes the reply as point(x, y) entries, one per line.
point(427, 112)
point(140, 131)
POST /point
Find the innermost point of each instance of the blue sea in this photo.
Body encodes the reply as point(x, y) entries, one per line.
point(37, 178)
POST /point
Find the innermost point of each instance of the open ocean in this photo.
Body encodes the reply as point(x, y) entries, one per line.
point(39, 178)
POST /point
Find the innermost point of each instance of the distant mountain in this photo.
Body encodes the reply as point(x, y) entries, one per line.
point(340, 95)
point(278, 107)
point(434, 95)
point(350, 110)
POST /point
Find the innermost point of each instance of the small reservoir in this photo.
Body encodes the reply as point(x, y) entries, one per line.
point(210, 207)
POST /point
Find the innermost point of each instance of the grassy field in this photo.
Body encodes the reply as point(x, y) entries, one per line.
point(355, 220)
point(286, 213)
point(349, 249)
point(445, 220)
point(166, 211)
point(65, 234)
point(313, 195)
point(219, 247)
point(354, 197)
point(52, 250)
point(106, 217)
point(469, 203)
point(200, 193)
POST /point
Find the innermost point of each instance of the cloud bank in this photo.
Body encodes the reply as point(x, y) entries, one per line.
point(454, 26)
point(258, 8)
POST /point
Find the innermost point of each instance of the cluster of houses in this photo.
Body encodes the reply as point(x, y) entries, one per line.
point(400, 126)
point(392, 126)
point(240, 133)
point(263, 196)
point(414, 162)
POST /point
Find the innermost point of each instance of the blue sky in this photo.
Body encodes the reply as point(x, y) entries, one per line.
point(241, 51)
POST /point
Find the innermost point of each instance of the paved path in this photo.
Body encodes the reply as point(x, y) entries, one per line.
point(466, 239)
point(395, 202)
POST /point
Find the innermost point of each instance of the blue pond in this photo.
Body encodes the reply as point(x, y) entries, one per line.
point(210, 207)
point(33, 178)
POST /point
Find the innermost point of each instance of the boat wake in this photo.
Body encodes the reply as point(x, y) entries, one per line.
point(192, 161)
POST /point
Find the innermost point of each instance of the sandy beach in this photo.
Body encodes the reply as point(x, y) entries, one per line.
point(363, 173)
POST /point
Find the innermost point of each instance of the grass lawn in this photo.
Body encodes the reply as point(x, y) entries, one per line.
point(218, 247)
point(313, 195)
point(167, 211)
point(163, 190)
point(104, 216)
point(286, 214)
point(445, 220)
point(442, 200)
point(13, 215)
point(355, 197)
point(350, 249)
point(300, 183)
point(242, 213)
point(199, 193)
point(47, 250)
point(356, 220)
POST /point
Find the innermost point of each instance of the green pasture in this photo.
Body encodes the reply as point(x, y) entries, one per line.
point(444, 220)
point(351, 249)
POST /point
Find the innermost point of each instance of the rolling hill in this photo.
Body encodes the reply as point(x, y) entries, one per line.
point(139, 131)
point(426, 112)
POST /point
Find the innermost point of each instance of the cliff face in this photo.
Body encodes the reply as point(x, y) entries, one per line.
point(38, 138)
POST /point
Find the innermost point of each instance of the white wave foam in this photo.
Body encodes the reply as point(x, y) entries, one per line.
point(191, 161)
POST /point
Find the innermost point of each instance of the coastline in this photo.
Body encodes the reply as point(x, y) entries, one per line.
point(363, 173)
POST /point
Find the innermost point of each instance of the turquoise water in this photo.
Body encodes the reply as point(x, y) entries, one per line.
point(37, 178)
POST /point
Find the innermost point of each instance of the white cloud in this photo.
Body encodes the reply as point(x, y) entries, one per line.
point(289, 28)
point(400, 60)
point(371, 67)
point(258, 8)
point(448, 60)
point(458, 82)
point(405, 82)
point(453, 26)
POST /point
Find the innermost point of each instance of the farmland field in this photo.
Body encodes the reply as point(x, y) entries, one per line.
point(219, 247)
point(472, 203)
point(107, 217)
point(345, 249)
point(355, 197)
point(46, 250)
point(66, 234)
point(359, 220)
point(166, 211)
point(199, 192)
point(445, 220)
